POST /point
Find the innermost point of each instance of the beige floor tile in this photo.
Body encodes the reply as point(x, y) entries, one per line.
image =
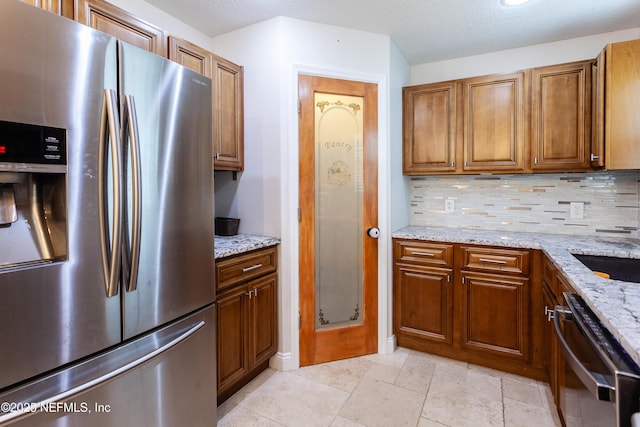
point(525, 392)
point(293, 400)
point(343, 422)
point(239, 396)
point(376, 403)
point(520, 414)
point(386, 373)
point(416, 373)
point(464, 397)
point(395, 359)
point(406, 388)
point(243, 417)
point(430, 423)
point(343, 374)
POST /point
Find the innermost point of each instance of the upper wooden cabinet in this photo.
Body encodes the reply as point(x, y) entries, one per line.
point(620, 104)
point(430, 127)
point(466, 126)
point(59, 7)
point(494, 129)
point(228, 105)
point(112, 20)
point(561, 117)
point(191, 56)
point(228, 115)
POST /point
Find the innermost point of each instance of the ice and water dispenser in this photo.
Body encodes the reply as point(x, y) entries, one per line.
point(33, 194)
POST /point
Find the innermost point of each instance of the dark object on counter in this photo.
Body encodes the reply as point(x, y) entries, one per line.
point(625, 269)
point(227, 226)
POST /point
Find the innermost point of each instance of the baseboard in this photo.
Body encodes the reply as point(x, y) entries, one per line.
point(282, 362)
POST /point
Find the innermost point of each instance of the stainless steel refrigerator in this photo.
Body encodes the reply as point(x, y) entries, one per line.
point(106, 230)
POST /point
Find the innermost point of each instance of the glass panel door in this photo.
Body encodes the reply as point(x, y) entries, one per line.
point(338, 214)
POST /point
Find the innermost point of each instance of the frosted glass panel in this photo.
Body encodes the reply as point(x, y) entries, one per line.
point(338, 213)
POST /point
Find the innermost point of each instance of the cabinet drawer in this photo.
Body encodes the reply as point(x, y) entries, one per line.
point(495, 260)
point(424, 253)
point(235, 269)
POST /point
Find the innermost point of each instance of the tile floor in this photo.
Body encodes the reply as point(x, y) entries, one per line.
point(406, 388)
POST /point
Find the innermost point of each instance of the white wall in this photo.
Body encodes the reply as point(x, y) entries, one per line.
point(515, 59)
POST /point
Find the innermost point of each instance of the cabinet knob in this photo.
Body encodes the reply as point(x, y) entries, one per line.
point(594, 157)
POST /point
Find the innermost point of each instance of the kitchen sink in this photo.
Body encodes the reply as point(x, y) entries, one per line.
point(625, 269)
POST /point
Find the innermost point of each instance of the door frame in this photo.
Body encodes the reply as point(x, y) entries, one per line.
point(289, 296)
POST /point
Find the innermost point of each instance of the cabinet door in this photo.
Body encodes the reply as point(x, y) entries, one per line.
point(495, 129)
point(59, 7)
point(495, 315)
point(112, 20)
point(429, 128)
point(191, 56)
point(561, 117)
point(423, 299)
point(232, 342)
point(622, 105)
point(228, 115)
point(549, 348)
point(597, 118)
point(263, 342)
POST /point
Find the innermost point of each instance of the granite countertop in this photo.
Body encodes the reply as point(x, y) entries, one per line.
point(225, 246)
point(615, 302)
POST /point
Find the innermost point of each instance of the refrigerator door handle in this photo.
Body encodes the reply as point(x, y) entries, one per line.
point(110, 138)
point(130, 133)
point(59, 397)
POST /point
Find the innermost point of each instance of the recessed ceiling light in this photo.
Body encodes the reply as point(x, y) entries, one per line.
point(514, 2)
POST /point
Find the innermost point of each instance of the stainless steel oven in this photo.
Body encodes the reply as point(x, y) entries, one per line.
point(599, 384)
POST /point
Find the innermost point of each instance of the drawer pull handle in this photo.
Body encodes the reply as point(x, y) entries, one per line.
point(253, 267)
point(423, 253)
point(493, 261)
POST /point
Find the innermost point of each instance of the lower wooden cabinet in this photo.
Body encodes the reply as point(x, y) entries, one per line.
point(472, 304)
point(495, 315)
point(246, 329)
point(422, 303)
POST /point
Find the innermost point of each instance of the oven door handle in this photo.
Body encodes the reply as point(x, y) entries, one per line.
point(597, 386)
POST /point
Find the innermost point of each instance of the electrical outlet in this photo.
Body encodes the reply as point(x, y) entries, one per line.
point(576, 210)
point(449, 205)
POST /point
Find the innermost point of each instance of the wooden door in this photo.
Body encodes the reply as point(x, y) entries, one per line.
point(110, 19)
point(228, 115)
point(561, 117)
point(495, 314)
point(430, 128)
point(423, 303)
point(495, 130)
point(338, 205)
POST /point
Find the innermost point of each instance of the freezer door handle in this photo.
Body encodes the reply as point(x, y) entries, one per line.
point(40, 405)
point(110, 139)
point(132, 252)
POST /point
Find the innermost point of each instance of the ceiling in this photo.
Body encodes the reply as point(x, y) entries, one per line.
point(424, 30)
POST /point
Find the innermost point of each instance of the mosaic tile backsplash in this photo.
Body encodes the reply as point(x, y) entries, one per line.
point(533, 203)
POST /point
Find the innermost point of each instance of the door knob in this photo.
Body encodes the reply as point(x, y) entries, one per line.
point(373, 232)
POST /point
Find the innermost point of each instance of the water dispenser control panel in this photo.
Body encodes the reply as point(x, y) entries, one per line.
point(31, 144)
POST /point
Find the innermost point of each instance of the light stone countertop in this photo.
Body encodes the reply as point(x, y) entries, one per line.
point(225, 246)
point(615, 302)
